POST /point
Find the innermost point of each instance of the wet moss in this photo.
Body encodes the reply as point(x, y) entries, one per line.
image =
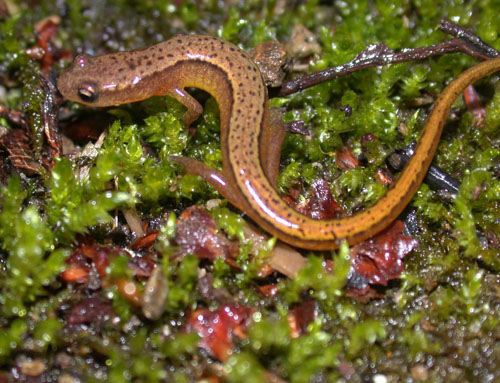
point(441, 315)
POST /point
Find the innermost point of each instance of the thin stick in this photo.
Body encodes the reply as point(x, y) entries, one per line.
point(380, 54)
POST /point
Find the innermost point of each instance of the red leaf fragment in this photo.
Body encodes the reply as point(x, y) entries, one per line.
point(90, 310)
point(384, 176)
point(75, 274)
point(345, 159)
point(379, 259)
point(86, 254)
point(197, 234)
point(217, 328)
point(43, 51)
point(265, 270)
point(300, 317)
point(367, 138)
point(269, 290)
point(321, 205)
point(474, 105)
point(145, 242)
point(142, 266)
point(210, 293)
point(88, 264)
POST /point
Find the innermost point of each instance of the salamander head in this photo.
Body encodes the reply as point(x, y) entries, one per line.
point(99, 81)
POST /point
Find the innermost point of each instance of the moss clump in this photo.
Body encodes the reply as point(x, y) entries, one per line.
point(441, 315)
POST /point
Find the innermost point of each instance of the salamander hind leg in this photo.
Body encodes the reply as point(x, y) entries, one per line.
point(213, 177)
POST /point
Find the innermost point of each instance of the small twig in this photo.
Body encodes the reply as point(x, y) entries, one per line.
point(50, 116)
point(379, 54)
point(436, 178)
point(134, 222)
point(469, 38)
point(297, 127)
point(373, 56)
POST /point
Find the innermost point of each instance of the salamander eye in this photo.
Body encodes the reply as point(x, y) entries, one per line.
point(88, 92)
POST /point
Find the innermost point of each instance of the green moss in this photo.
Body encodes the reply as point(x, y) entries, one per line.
point(288, 176)
point(323, 286)
point(244, 367)
point(46, 333)
point(417, 340)
point(177, 347)
point(414, 83)
point(228, 221)
point(269, 336)
point(464, 206)
point(27, 238)
point(12, 338)
point(312, 354)
point(441, 310)
point(424, 201)
point(73, 205)
point(182, 279)
point(367, 332)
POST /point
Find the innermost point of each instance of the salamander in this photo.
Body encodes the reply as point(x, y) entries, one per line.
point(251, 136)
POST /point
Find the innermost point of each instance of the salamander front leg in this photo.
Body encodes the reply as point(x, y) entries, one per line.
point(271, 139)
point(194, 108)
point(213, 177)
